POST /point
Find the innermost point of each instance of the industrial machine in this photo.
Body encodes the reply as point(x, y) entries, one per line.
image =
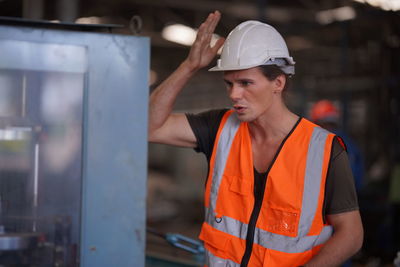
point(73, 145)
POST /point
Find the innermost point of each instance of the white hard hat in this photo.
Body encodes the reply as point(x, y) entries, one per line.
point(252, 44)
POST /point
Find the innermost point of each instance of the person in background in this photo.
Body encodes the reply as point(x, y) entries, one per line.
point(327, 115)
point(272, 195)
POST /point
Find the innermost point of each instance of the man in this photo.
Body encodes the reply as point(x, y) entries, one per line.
point(265, 197)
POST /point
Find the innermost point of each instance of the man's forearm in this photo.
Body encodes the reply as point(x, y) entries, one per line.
point(336, 251)
point(345, 242)
point(163, 97)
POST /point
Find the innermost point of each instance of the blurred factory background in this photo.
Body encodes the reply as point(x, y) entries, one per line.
point(346, 51)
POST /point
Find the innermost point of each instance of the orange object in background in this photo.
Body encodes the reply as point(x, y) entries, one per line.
point(324, 111)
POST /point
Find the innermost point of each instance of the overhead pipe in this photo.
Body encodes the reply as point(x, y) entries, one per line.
point(67, 10)
point(32, 9)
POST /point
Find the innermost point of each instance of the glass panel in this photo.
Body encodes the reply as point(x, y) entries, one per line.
point(12, 89)
point(41, 113)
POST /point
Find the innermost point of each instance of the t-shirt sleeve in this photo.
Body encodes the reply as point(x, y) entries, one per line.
point(205, 127)
point(340, 192)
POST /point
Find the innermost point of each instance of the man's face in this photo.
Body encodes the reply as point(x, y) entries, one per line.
point(251, 92)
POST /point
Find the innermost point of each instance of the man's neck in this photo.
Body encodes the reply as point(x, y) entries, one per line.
point(273, 126)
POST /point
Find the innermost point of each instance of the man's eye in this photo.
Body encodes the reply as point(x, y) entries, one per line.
point(245, 83)
point(228, 84)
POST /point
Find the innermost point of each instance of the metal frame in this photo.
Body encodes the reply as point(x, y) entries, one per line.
point(114, 141)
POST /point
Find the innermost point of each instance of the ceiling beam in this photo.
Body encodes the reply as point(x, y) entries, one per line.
point(238, 10)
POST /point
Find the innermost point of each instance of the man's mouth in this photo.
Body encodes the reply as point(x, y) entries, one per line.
point(239, 109)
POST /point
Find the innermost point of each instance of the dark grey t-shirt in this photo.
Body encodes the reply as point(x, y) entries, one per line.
point(340, 193)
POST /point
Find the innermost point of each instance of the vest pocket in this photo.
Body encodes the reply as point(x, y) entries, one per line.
point(240, 186)
point(214, 238)
point(274, 258)
point(282, 222)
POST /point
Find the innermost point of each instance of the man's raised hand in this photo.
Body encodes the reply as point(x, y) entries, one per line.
point(202, 52)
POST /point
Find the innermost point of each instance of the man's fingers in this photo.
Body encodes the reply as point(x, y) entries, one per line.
point(218, 44)
point(211, 24)
point(204, 35)
point(202, 32)
point(214, 22)
point(208, 21)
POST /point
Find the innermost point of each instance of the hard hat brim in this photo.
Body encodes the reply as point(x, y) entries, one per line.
point(289, 70)
point(218, 68)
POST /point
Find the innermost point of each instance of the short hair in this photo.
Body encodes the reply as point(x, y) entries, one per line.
point(271, 72)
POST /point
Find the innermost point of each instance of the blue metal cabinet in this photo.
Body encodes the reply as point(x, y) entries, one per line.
point(73, 120)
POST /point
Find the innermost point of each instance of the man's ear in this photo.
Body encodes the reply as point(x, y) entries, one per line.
point(279, 83)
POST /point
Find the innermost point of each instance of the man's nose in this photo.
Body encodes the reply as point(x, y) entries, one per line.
point(235, 93)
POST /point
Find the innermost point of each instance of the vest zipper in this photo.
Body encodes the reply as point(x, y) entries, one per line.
point(258, 199)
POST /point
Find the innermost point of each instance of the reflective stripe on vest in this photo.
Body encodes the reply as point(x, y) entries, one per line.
point(312, 183)
point(224, 143)
point(266, 239)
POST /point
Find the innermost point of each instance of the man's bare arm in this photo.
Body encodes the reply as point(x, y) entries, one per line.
point(346, 240)
point(174, 129)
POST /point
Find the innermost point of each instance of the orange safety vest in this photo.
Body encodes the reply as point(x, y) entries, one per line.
point(287, 228)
